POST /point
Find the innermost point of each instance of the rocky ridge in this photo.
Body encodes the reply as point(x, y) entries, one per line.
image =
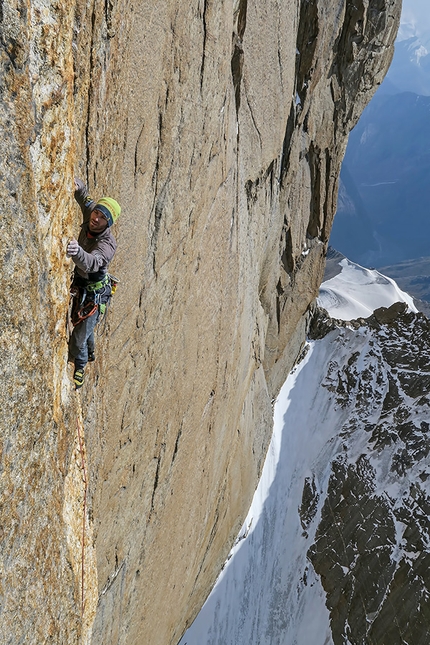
point(225, 157)
point(371, 547)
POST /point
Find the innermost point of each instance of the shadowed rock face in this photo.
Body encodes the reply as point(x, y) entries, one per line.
point(220, 128)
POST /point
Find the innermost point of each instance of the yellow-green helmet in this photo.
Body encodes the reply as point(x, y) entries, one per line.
point(110, 209)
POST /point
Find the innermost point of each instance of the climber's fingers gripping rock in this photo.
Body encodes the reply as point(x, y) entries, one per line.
point(72, 248)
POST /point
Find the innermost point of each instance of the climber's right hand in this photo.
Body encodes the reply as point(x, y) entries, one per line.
point(72, 248)
point(79, 184)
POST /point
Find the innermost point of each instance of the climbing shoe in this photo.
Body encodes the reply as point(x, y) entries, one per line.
point(78, 378)
point(91, 356)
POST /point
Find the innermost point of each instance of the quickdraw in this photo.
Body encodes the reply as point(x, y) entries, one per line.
point(113, 283)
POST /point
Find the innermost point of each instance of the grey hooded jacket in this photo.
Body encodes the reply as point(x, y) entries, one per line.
point(95, 252)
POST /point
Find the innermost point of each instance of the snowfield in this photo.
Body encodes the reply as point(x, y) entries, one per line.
point(344, 487)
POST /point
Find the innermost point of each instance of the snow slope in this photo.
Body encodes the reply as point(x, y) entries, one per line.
point(327, 542)
point(264, 574)
point(356, 292)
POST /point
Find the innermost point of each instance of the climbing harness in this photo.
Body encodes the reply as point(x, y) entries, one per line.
point(96, 286)
point(83, 306)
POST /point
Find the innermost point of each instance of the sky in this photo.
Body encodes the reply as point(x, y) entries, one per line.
point(415, 20)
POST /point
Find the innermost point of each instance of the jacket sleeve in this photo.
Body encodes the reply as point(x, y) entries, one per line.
point(98, 258)
point(86, 202)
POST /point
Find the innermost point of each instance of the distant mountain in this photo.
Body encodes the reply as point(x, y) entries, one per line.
point(383, 203)
point(353, 230)
point(413, 276)
point(410, 70)
point(415, 20)
point(383, 208)
point(336, 546)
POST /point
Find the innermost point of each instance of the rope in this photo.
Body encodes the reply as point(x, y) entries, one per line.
point(84, 511)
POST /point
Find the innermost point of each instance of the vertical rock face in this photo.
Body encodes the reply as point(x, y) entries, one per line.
point(220, 128)
point(36, 114)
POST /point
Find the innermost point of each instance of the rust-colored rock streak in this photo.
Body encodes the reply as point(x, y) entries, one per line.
point(220, 127)
point(79, 530)
point(38, 590)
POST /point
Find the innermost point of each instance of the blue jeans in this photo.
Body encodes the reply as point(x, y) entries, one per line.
point(82, 340)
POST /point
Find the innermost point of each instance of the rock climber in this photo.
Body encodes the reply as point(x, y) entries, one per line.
point(91, 287)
